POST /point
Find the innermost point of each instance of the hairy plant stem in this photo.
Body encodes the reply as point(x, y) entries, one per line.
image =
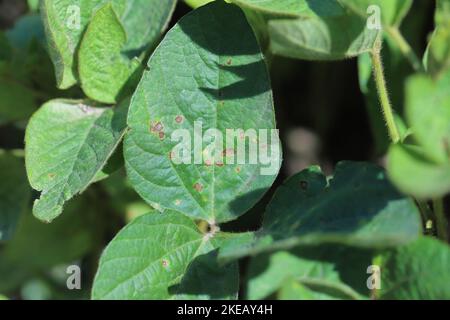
point(383, 95)
point(405, 48)
point(441, 220)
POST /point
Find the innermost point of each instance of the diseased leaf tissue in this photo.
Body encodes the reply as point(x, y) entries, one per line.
point(155, 157)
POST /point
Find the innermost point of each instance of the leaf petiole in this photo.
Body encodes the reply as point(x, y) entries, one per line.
point(383, 95)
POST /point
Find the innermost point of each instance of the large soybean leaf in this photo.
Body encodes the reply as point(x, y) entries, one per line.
point(14, 193)
point(105, 73)
point(357, 207)
point(317, 34)
point(66, 22)
point(437, 56)
point(418, 271)
point(413, 173)
point(68, 143)
point(163, 256)
point(217, 79)
point(36, 247)
point(322, 272)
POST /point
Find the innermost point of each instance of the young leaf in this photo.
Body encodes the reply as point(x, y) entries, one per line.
point(428, 114)
point(67, 144)
point(418, 271)
point(105, 73)
point(292, 8)
point(163, 256)
point(14, 193)
point(413, 173)
point(357, 207)
point(323, 272)
point(217, 80)
point(66, 23)
point(318, 33)
point(437, 56)
point(391, 13)
point(26, 29)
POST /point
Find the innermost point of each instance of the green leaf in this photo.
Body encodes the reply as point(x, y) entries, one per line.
point(33, 5)
point(317, 33)
point(437, 56)
point(163, 256)
point(217, 79)
point(414, 174)
point(314, 30)
point(357, 207)
point(428, 114)
point(66, 23)
point(317, 272)
point(67, 145)
point(418, 271)
point(197, 3)
point(392, 12)
point(14, 193)
point(275, 7)
point(105, 73)
point(36, 247)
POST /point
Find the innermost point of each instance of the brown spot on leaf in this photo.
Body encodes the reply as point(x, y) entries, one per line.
point(238, 169)
point(198, 187)
point(165, 263)
point(219, 164)
point(161, 135)
point(229, 61)
point(51, 175)
point(157, 127)
point(179, 119)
